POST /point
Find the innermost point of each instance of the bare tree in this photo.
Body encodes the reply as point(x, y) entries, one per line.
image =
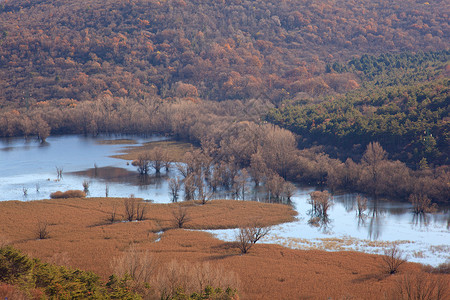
point(59, 172)
point(141, 210)
point(157, 158)
point(392, 259)
point(86, 185)
point(248, 236)
point(258, 168)
point(200, 186)
point(321, 202)
point(279, 149)
point(174, 188)
point(189, 188)
point(181, 216)
point(113, 216)
point(240, 185)
point(274, 187)
point(42, 129)
point(373, 159)
point(422, 204)
point(244, 242)
point(130, 208)
point(289, 190)
point(42, 230)
point(361, 205)
point(142, 164)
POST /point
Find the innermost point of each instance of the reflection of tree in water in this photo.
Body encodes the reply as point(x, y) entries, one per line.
point(420, 220)
point(375, 225)
point(321, 222)
point(448, 220)
point(144, 181)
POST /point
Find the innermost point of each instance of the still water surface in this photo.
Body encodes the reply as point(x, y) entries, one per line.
point(28, 172)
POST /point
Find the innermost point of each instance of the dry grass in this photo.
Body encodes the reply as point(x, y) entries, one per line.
point(80, 226)
point(175, 150)
point(81, 237)
point(117, 142)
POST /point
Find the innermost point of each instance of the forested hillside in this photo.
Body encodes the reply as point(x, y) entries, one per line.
point(403, 103)
point(215, 50)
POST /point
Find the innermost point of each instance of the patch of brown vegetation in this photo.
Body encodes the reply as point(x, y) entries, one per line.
point(68, 194)
point(175, 150)
point(81, 233)
point(117, 142)
point(80, 226)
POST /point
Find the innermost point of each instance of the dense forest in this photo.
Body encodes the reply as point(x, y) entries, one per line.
point(350, 80)
point(403, 103)
point(209, 49)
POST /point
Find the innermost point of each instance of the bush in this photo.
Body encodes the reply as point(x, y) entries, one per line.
point(68, 194)
point(42, 230)
point(392, 259)
point(14, 266)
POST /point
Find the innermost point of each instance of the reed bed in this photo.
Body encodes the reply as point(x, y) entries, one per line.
point(81, 236)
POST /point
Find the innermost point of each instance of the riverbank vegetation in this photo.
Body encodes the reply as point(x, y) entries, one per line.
point(232, 134)
point(82, 238)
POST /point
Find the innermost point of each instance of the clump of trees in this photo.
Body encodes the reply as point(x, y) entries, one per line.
point(422, 204)
point(233, 137)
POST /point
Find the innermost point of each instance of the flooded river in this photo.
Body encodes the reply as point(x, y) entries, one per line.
point(28, 171)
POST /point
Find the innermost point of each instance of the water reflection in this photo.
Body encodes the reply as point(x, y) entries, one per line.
point(420, 220)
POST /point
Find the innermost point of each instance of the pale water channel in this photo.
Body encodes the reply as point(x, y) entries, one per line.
point(28, 172)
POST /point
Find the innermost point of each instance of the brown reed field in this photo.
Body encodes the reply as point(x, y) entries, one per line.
point(81, 235)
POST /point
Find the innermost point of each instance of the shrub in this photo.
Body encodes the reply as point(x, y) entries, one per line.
point(392, 259)
point(68, 194)
point(181, 216)
point(42, 230)
point(14, 266)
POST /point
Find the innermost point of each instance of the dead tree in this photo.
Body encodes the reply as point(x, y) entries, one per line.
point(181, 216)
point(248, 236)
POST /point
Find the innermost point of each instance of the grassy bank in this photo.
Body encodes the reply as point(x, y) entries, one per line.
point(81, 236)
